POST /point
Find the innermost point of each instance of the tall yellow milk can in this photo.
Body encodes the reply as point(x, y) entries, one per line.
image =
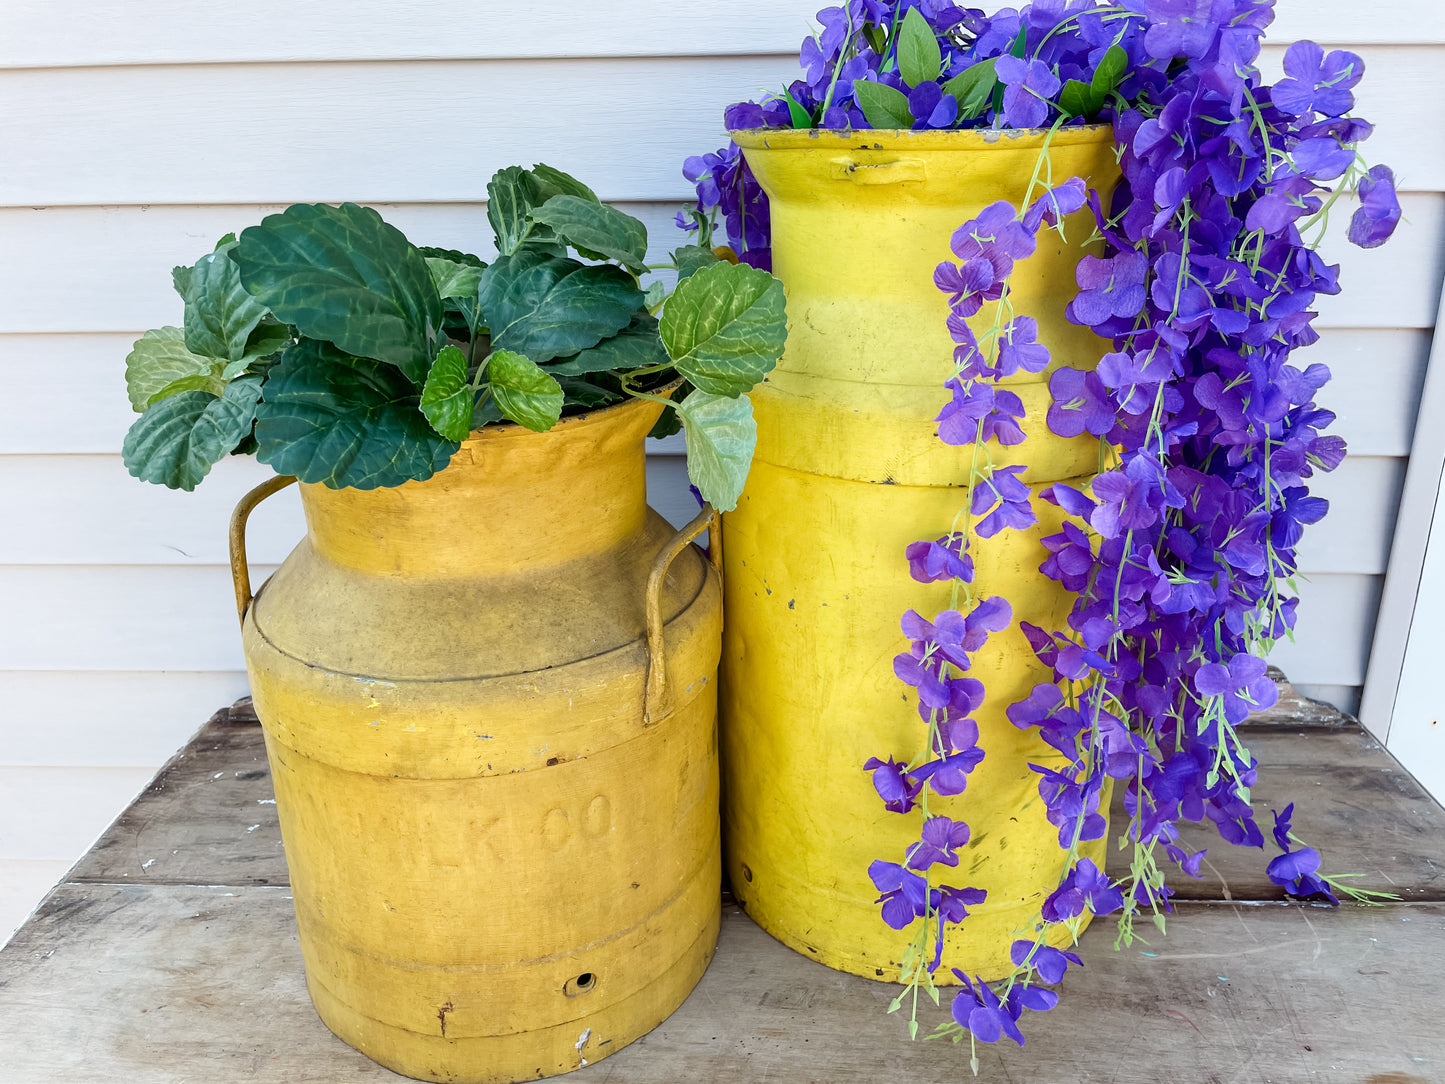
point(489, 702)
point(848, 471)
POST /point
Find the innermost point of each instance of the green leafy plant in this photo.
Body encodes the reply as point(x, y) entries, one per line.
point(335, 350)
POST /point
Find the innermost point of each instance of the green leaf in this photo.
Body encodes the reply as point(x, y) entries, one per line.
point(972, 88)
point(226, 239)
point(585, 393)
point(635, 346)
point(1111, 69)
point(690, 259)
point(1021, 41)
point(1078, 99)
point(210, 383)
point(158, 358)
point(220, 313)
point(654, 296)
point(725, 327)
point(181, 280)
point(345, 421)
point(596, 228)
point(546, 307)
point(670, 421)
point(721, 434)
point(176, 442)
point(876, 37)
point(485, 413)
point(343, 275)
point(454, 279)
point(884, 106)
point(797, 115)
point(510, 195)
point(431, 252)
point(446, 400)
point(524, 390)
point(551, 181)
point(268, 339)
point(920, 60)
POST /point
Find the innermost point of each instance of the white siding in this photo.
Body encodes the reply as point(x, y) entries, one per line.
point(133, 145)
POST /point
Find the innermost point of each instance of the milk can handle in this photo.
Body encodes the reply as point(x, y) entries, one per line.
point(658, 702)
point(240, 570)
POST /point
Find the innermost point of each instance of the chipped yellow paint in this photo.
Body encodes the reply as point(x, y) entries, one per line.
point(848, 471)
point(467, 907)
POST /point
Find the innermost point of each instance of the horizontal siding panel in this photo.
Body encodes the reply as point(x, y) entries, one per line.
point(1364, 496)
point(146, 617)
point(132, 250)
point(381, 132)
point(1332, 640)
point(107, 718)
point(86, 510)
point(370, 132)
point(1375, 390)
point(40, 33)
point(182, 618)
point(49, 814)
point(1376, 377)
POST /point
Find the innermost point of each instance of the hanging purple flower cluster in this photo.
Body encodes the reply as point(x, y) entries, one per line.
point(1178, 551)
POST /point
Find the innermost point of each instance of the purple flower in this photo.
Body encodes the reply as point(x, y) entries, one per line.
point(1028, 86)
point(1243, 685)
point(979, 1009)
point(1315, 82)
point(1132, 498)
point(891, 781)
point(940, 837)
point(1005, 499)
point(978, 402)
point(942, 559)
point(1179, 28)
point(905, 893)
point(1080, 404)
point(949, 774)
point(1019, 348)
point(1051, 208)
point(1296, 869)
point(1108, 287)
point(1379, 210)
point(1050, 963)
point(1085, 886)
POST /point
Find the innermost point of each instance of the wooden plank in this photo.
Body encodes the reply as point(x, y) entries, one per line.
point(369, 129)
point(1353, 803)
point(1344, 698)
point(95, 719)
point(208, 817)
point(34, 33)
point(164, 984)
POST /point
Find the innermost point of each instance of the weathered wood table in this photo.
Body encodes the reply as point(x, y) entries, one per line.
point(169, 954)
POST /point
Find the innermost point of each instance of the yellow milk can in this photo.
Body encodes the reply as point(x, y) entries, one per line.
point(849, 471)
point(489, 706)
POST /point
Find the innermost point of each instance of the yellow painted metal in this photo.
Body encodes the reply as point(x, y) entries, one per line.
point(489, 705)
point(848, 471)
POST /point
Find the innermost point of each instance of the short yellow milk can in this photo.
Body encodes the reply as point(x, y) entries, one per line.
point(489, 702)
point(848, 471)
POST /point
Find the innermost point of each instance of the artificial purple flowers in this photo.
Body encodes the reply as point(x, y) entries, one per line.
point(1179, 550)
